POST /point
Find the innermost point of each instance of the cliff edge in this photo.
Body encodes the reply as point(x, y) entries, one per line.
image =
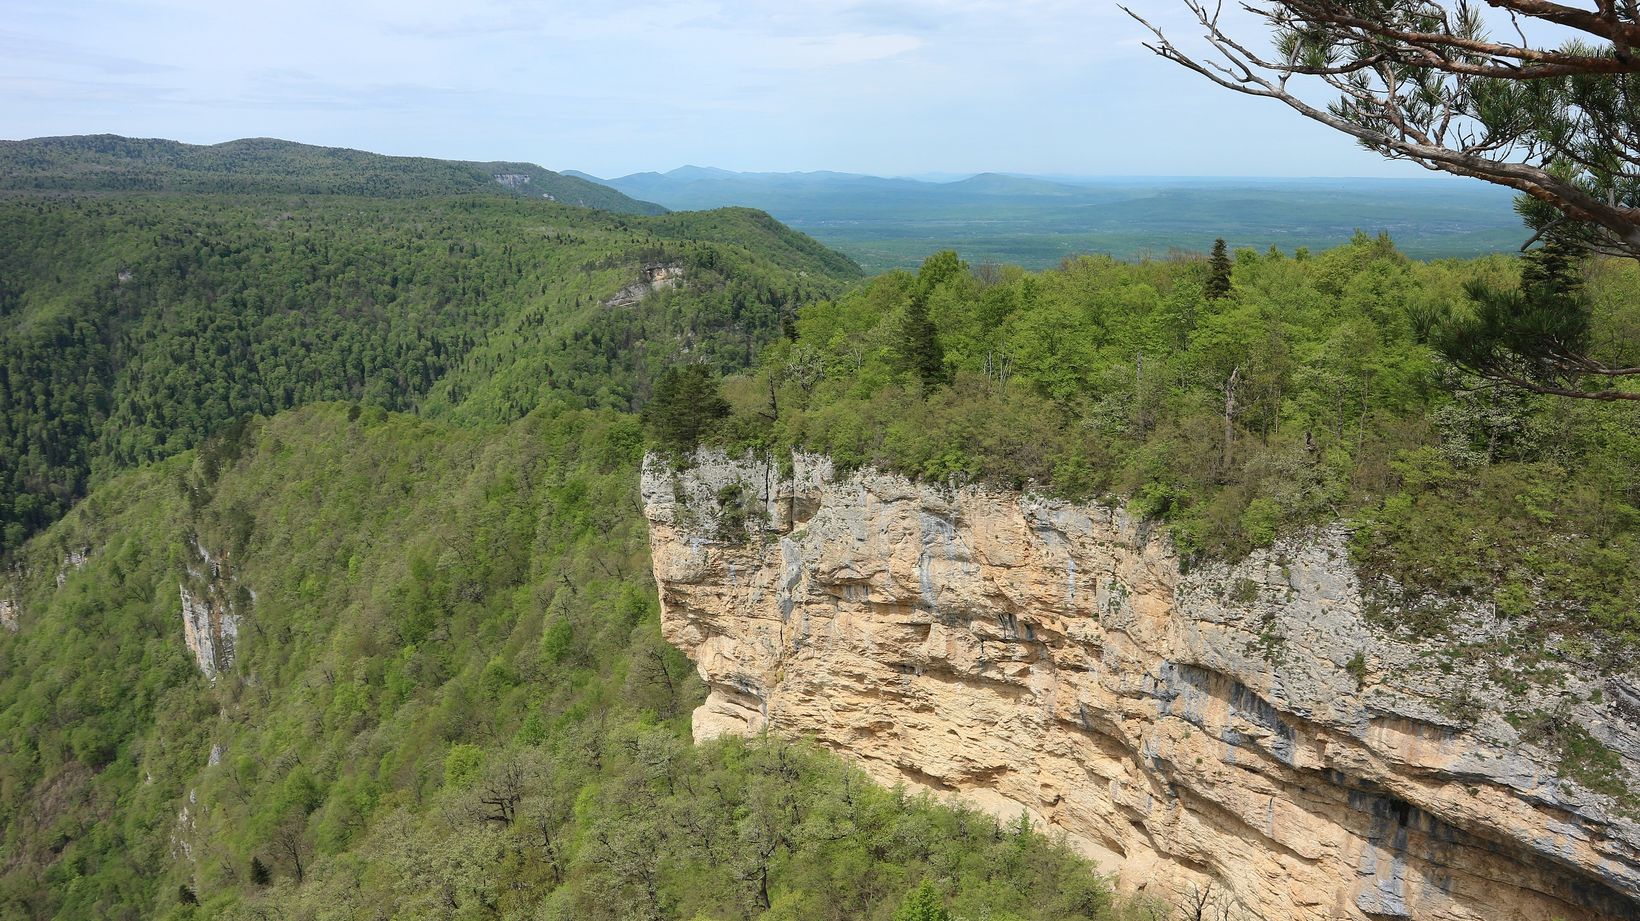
point(1253, 725)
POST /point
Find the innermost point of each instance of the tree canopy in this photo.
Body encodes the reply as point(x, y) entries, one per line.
point(133, 327)
point(1306, 394)
point(1537, 96)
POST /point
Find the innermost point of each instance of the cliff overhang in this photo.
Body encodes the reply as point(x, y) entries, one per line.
point(1242, 723)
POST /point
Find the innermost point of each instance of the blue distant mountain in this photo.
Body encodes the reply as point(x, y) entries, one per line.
point(1039, 220)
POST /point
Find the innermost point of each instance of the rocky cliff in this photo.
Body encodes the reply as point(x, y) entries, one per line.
point(211, 598)
point(1255, 726)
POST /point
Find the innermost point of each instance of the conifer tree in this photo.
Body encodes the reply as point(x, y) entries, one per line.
point(919, 344)
point(686, 404)
point(1218, 281)
point(1535, 336)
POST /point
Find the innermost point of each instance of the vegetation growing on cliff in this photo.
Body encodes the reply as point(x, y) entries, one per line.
point(132, 326)
point(451, 700)
point(1304, 393)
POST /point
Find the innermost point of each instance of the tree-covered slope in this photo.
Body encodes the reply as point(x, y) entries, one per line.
point(449, 698)
point(1305, 393)
point(133, 325)
point(107, 162)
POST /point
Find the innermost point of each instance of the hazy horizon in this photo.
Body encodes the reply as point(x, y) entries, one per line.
point(906, 88)
point(931, 176)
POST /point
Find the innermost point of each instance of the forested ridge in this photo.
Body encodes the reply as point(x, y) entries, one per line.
point(398, 434)
point(112, 163)
point(451, 700)
point(1239, 399)
point(132, 326)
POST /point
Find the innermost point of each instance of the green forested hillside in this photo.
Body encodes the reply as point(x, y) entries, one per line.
point(451, 700)
point(107, 162)
point(131, 326)
point(375, 458)
point(439, 685)
point(1305, 394)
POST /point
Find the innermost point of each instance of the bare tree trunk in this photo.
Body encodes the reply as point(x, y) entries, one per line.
point(1230, 416)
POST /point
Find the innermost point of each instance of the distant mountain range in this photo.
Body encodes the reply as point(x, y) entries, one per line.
point(698, 187)
point(881, 222)
point(1036, 221)
point(107, 162)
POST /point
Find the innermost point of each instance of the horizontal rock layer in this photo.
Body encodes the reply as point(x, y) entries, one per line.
point(1243, 725)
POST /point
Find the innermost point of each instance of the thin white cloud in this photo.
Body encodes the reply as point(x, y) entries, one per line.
point(891, 86)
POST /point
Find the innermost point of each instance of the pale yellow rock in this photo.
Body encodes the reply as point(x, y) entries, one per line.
point(1032, 656)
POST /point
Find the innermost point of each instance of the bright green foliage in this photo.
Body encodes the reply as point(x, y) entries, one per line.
point(922, 904)
point(131, 327)
point(1303, 395)
point(451, 699)
point(461, 765)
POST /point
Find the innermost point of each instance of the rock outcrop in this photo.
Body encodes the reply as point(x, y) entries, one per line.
point(210, 620)
point(1247, 725)
point(73, 560)
point(655, 276)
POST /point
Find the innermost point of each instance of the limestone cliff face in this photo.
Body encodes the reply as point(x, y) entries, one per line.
point(1245, 724)
point(656, 276)
point(210, 620)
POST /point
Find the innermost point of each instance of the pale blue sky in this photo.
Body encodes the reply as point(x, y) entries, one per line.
point(893, 88)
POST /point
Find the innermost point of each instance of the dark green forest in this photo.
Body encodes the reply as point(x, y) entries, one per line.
point(132, 326)
point(111, 163)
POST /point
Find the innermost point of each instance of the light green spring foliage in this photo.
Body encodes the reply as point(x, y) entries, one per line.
point(451, 700)
point(1301, 397)
point(131, 327)
point(922, 904)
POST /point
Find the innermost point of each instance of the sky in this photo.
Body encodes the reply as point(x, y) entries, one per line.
point(907, 87)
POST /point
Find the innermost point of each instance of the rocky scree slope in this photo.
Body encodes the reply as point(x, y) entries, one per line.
point(1242, 725)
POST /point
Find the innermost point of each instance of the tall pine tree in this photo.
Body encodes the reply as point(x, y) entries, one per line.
point(919, 345)
point(1218, 279)
point(1536, 336)
point(685, 406)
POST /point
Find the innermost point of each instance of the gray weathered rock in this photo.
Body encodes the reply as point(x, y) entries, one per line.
point(210, 623)
point(1247, 723)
